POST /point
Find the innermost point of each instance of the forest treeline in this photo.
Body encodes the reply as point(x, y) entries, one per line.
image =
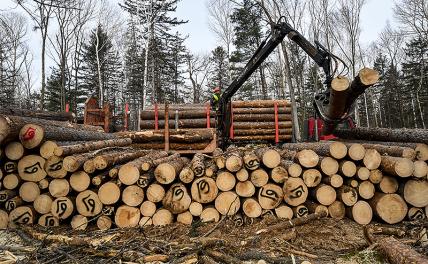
point(133, 53)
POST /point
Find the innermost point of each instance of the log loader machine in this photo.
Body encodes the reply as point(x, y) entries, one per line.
point(322, 57)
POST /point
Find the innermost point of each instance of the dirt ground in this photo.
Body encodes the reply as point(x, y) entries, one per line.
point(322, 241)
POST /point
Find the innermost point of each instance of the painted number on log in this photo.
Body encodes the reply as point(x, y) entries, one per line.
point(270, 194)
point(61, 207)
point(177, 193)
point(33, 168)
point(302, 211)
point(56, 166)
point(10, 205)
point(29, 134)
point(203, 188)
point(297, 192)
point(89, 203)
point(49, 220)
point(23, 219)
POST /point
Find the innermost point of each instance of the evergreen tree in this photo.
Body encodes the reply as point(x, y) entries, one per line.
point(53, 91)
point(248, 37)
point(415, 77)
point(219, 71)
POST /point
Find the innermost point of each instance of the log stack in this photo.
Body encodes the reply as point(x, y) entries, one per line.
point(111, 182)
point(259, 120)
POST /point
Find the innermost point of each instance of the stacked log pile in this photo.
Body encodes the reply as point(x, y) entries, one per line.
point(108, 183)
point(48, 115)
point(259, 120)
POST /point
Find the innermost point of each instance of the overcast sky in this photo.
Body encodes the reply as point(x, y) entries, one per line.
point(374, 17)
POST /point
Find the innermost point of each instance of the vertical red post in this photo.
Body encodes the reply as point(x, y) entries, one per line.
point(231, 134)
point(156, 117)
point(125, 123)
point(166, 130)
point(276, 123)
point(208, 116)
point(67, 107)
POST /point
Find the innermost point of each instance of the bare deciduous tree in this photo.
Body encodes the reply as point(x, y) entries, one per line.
point(198, 68)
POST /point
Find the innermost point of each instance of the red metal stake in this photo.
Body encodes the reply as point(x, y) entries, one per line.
point(156, 117)
point(67, 107)
point(208, 116)
point(276, 123)
point(231, 122)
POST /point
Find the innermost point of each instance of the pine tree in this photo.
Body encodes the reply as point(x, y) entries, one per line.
point(53, 91)
point(219, 71)
point(248, 37)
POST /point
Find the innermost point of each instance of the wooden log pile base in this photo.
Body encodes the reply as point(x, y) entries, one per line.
point(108, 183)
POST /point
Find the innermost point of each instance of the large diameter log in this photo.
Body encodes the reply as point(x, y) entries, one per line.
point(133, 195)
point(312, 177)
point(279, 174)
point(394, 151)
point(59, 187)
point(356, 152)
point(182, 123)
point(127, 216)
point(337, 210)
point(166, 173)
point(227, 203)
point(366, 78)
point(177, 200)
point(338, 94)
point(284, 212)
point(328, 165)
point(388, 184)
point(225, 181)
point(234, 162)
point(210, 214)
point(48, 220)
point(307, 158)
point(195, 208)
point(43, 203)
point(54, 167)
point(79, 181)
point(245, 189)
point(14, 150)
point(130, 172)
point(324, 194)
point(104, 222)
point(363, 173)
point(30, 168)
point(391, 208)
point(335, 180)
point(204, 190)
point(395, 166)
point(376, 176)
point(422, 152)
point(399, 253)
point(420, 169)
point(416, 192)
point(148, 208)
point(348, 168)
point(260, 103)
point(384, 134)
point(295, 191)
point(11, 181)
point(185, 218)
point(269, 157)
point(22, 215)
point(88, 203)
point(260, 117)
point(174, 146)
point(348, 195)
point(90, 146)
point(155, 193)
point(366, 190)
point(259, 177)
point(251, 208)
point(294, 169)
point(62, 207)
point(162, 217)
point(372, 159)
point(251, 161)
point(360, 212)
point(29, 191)
point(270, 196)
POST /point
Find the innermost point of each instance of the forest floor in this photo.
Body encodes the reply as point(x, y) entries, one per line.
point(322, 241)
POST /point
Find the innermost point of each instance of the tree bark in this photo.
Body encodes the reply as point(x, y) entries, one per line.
point(384, 134)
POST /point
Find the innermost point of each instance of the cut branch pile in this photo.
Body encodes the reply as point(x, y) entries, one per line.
point(109, 182)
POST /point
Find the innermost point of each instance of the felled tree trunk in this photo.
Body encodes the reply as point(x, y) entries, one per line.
point(384, 134)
